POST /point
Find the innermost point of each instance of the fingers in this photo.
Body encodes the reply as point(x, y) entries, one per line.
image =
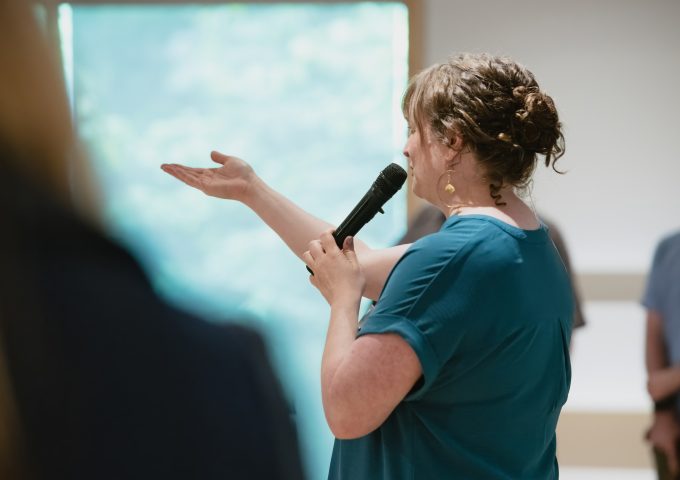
point(185, 174)
point(348, 244)
point(190, 176)
point(218, 157)
point(348, 250)
point(328, 242)
point(318, 249)
point(315, 250)
point(313, 281)
point(311, 256)
point(308, 259)
point(172, 167)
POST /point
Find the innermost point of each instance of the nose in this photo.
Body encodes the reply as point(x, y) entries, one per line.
point(405, 151)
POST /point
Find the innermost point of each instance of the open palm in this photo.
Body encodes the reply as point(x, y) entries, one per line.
point(229, 181)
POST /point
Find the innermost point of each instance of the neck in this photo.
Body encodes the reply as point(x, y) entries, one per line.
point(514, 212)
point(473, 195)
point(470, 198)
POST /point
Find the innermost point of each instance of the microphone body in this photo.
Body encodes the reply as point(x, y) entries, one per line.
point(389, 181)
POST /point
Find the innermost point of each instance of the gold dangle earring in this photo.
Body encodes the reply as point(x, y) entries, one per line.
point(449, 188)
point(445, 185)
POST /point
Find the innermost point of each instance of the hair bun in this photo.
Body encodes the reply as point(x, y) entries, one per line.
point(536, 123)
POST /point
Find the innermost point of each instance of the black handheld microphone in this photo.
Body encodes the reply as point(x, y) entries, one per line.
point(389, 181)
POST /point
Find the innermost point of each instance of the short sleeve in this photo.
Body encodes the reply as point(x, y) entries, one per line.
point(421, 302)
point(653, 291)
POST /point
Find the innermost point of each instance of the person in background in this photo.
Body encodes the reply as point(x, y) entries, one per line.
point(429, 220)
point(662, 356)
point(100, 378)
point(462, 369)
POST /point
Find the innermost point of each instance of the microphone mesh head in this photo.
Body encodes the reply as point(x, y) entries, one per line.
point(391, 179)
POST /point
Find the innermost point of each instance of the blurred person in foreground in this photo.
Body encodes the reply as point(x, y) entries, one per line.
point(462, 369)
point(662, 301)
point(99, 378)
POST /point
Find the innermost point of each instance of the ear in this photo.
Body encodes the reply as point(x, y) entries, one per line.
point(457, 143)
point(455, 148)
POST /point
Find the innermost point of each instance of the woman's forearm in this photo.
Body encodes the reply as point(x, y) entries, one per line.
point(297, 227)
point(340, 414)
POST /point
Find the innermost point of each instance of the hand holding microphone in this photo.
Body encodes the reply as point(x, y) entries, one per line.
point(338, 277)
point(389, 181)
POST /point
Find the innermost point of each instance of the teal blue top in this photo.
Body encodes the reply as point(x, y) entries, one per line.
point(487, 307)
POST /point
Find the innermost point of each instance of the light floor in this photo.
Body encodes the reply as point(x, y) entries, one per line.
point(574, 473)
point(609, 378)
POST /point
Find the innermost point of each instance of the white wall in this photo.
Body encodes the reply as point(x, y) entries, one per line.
point(613, 68)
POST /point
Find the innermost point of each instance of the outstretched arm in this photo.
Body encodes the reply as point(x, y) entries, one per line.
point(236, 180)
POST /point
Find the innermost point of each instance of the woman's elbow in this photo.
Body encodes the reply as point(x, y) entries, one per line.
point(344, 427)
point(348, 421)
point(343, 431)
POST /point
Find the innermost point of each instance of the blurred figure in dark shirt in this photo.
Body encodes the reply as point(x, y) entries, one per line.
point(99, 378)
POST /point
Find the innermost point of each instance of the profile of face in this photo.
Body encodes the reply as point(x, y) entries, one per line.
point(427, 161)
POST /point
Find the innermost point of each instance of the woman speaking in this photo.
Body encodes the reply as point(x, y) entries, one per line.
point(461, 370)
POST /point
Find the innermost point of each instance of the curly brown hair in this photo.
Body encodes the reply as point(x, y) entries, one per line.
point(496, 107)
